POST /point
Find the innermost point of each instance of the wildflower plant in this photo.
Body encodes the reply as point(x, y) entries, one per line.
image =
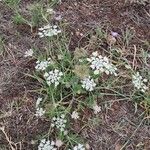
point(66, 77)
point(139, 82)
point(73, 81)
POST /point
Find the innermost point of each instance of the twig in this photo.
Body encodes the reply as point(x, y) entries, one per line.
point(8, 139)
point(134, 58)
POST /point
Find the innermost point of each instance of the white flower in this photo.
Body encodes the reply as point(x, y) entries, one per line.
point(88, 84)
point(38, 101)
point(53, 77)
point(96, 72)
point(58, 143)
point(74, 115)
point(114, 34)
point(95, 54)
point(139, 82)
point(59, 122)
point(96, 109)
point(39, 112)
point(50, 11)
point(80, 60)
point(41, 65)
point(48, 31)
point(47, 145)
point(127, 66)
point(87, 146)
point(60, 57)
point(101, 64)
point(79, 147)
point(28, 53)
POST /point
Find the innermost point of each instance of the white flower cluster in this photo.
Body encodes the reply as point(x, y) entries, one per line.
point(79, 147)
point(48, 31)
point(101, 64)
point(59, 122)
point(75, 115)
point(139, 82)
point(39, 111)
point(47, 145)
point(88, 84)
point(28, 53)
point(96, 109)
point(38, 101)
point(53, 77)
point(41, 65)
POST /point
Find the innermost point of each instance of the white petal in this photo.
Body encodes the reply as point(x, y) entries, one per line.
point(96, 72)
point(95, 54)
point(88, 59)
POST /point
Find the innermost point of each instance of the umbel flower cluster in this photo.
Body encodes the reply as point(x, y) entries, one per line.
point(88, 84)
point(75, 115)
point(48, 31)
point(47, 145)
point(53, 77)
point(39, 110)
point(41, 65)
point(59, 122)
point(29, 53)
point(101, 64)
point(96, 109)
point(139, 82)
